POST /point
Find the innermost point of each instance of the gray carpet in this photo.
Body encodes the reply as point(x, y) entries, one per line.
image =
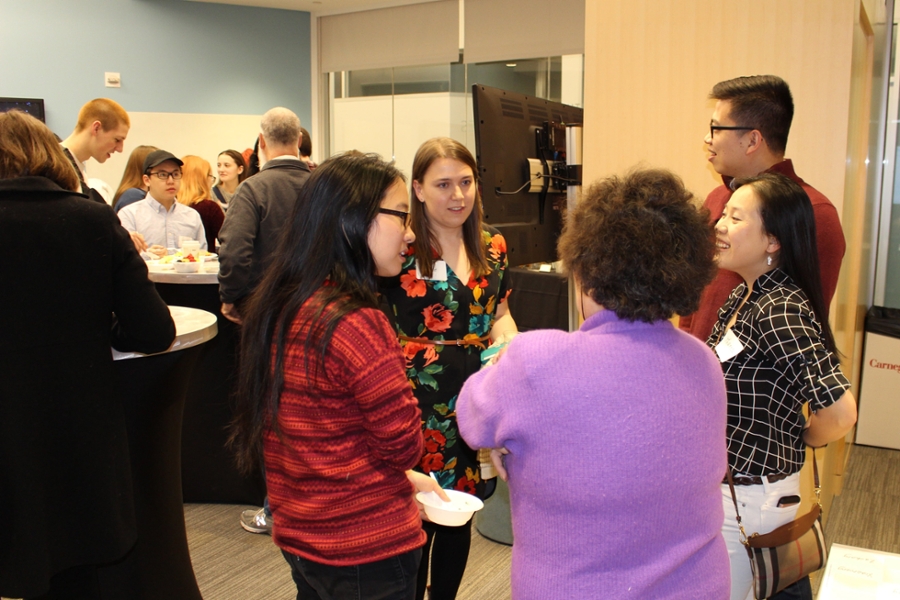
point(868, 510)
point(232, 564)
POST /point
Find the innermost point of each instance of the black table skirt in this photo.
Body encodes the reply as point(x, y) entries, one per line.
point(539, 300)
point(159, 564)
point(207, 467)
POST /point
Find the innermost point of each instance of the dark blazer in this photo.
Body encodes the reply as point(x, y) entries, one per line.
point(259, 210)
point(66, 265)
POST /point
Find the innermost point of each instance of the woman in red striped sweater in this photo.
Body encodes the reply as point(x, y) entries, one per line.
point(323, 396)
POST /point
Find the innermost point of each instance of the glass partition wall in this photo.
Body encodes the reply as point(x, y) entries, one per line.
point(392, 111)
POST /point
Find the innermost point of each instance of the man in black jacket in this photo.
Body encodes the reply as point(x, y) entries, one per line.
point(259, 209)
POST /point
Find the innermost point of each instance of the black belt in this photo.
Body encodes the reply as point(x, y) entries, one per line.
point(757, 480)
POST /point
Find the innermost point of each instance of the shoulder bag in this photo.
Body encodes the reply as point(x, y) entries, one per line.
point(787, 554)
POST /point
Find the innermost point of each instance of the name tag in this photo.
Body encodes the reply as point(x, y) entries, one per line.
point(729, 347)
point(438, 271)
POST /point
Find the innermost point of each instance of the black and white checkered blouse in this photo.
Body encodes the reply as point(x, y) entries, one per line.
point(783, 365)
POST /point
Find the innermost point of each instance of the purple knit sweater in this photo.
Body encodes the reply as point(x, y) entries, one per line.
point(616, 435)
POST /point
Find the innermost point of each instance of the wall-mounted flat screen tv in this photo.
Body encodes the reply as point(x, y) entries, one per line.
point(32, 106)
point(513, 134)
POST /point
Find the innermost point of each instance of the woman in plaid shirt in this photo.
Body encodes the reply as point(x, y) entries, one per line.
point(777, 353)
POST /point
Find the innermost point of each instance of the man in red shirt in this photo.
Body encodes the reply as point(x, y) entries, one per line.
point(748, 135)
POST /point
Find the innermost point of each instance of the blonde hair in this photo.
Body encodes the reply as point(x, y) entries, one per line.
point(29, 148)
point(195, 184)
point(109, 113)
point(133, 177)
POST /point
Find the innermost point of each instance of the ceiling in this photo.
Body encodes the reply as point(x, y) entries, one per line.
point(323, 7)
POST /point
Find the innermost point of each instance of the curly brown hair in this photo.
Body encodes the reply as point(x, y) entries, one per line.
point(640, 246)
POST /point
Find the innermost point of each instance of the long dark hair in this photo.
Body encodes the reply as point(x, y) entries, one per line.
point(787, 214)
point(253, 161)
point(323, 252)
point(425, 243)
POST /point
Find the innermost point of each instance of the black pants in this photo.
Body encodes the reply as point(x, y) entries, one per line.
point(389, 579)
point(76, 583)
point(449, 550)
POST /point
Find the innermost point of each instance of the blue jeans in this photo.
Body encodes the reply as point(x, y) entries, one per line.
point(389, 579)
point(802, 590)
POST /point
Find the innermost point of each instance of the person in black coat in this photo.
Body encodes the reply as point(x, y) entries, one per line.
point(72, 286)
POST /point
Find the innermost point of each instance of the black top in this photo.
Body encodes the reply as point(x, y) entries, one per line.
point(783, 365)
point(85, 188)
point(68, 266)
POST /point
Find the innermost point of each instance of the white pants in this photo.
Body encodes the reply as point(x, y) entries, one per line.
point(760, 513)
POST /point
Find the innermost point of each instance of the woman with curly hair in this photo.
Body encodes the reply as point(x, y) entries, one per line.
point(615, 433)
point(450, 304)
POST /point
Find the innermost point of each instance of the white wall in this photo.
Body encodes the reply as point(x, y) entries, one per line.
point(395, 126)
point(179, 133)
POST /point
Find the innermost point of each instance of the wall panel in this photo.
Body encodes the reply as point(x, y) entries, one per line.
point(650, 64)
point(649, 67)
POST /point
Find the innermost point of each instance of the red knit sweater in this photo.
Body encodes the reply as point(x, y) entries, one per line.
point(829, 242)
point(336, 480)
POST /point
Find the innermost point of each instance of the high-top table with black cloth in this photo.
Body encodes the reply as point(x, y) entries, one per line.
point(153, 389)
point(208, 471)
point(539, 300)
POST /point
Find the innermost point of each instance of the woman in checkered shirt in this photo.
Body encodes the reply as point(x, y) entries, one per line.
point(778, 354)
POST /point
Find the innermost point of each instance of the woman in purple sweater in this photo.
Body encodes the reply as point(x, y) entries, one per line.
point(615, 433)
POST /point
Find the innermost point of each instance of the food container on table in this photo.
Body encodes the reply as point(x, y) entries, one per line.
point(187, 266)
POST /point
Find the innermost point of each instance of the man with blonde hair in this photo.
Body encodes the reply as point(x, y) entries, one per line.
point(99, 133)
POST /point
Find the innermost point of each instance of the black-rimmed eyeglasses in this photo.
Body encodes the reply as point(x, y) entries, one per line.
point(714, 128)
point(163, 175)
point(404, 216)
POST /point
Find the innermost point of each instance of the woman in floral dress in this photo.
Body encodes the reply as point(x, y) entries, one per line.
point(449, 304)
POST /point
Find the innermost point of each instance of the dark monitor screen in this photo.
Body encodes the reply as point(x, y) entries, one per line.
point(507, 128)
point(32, 106)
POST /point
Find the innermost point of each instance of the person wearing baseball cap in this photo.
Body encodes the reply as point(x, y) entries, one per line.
point(158, 217)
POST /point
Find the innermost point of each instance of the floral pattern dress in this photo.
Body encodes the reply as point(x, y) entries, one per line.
point(447, 310)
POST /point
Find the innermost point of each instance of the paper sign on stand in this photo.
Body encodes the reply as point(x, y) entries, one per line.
point(860, 574)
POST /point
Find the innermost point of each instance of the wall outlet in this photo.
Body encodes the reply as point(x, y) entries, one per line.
point(113, 80)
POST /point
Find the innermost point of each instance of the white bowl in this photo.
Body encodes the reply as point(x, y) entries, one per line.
point(187, 267)
point(454, 513)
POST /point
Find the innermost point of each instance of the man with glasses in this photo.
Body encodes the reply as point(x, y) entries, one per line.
point(158, 217)
point(748, 135)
